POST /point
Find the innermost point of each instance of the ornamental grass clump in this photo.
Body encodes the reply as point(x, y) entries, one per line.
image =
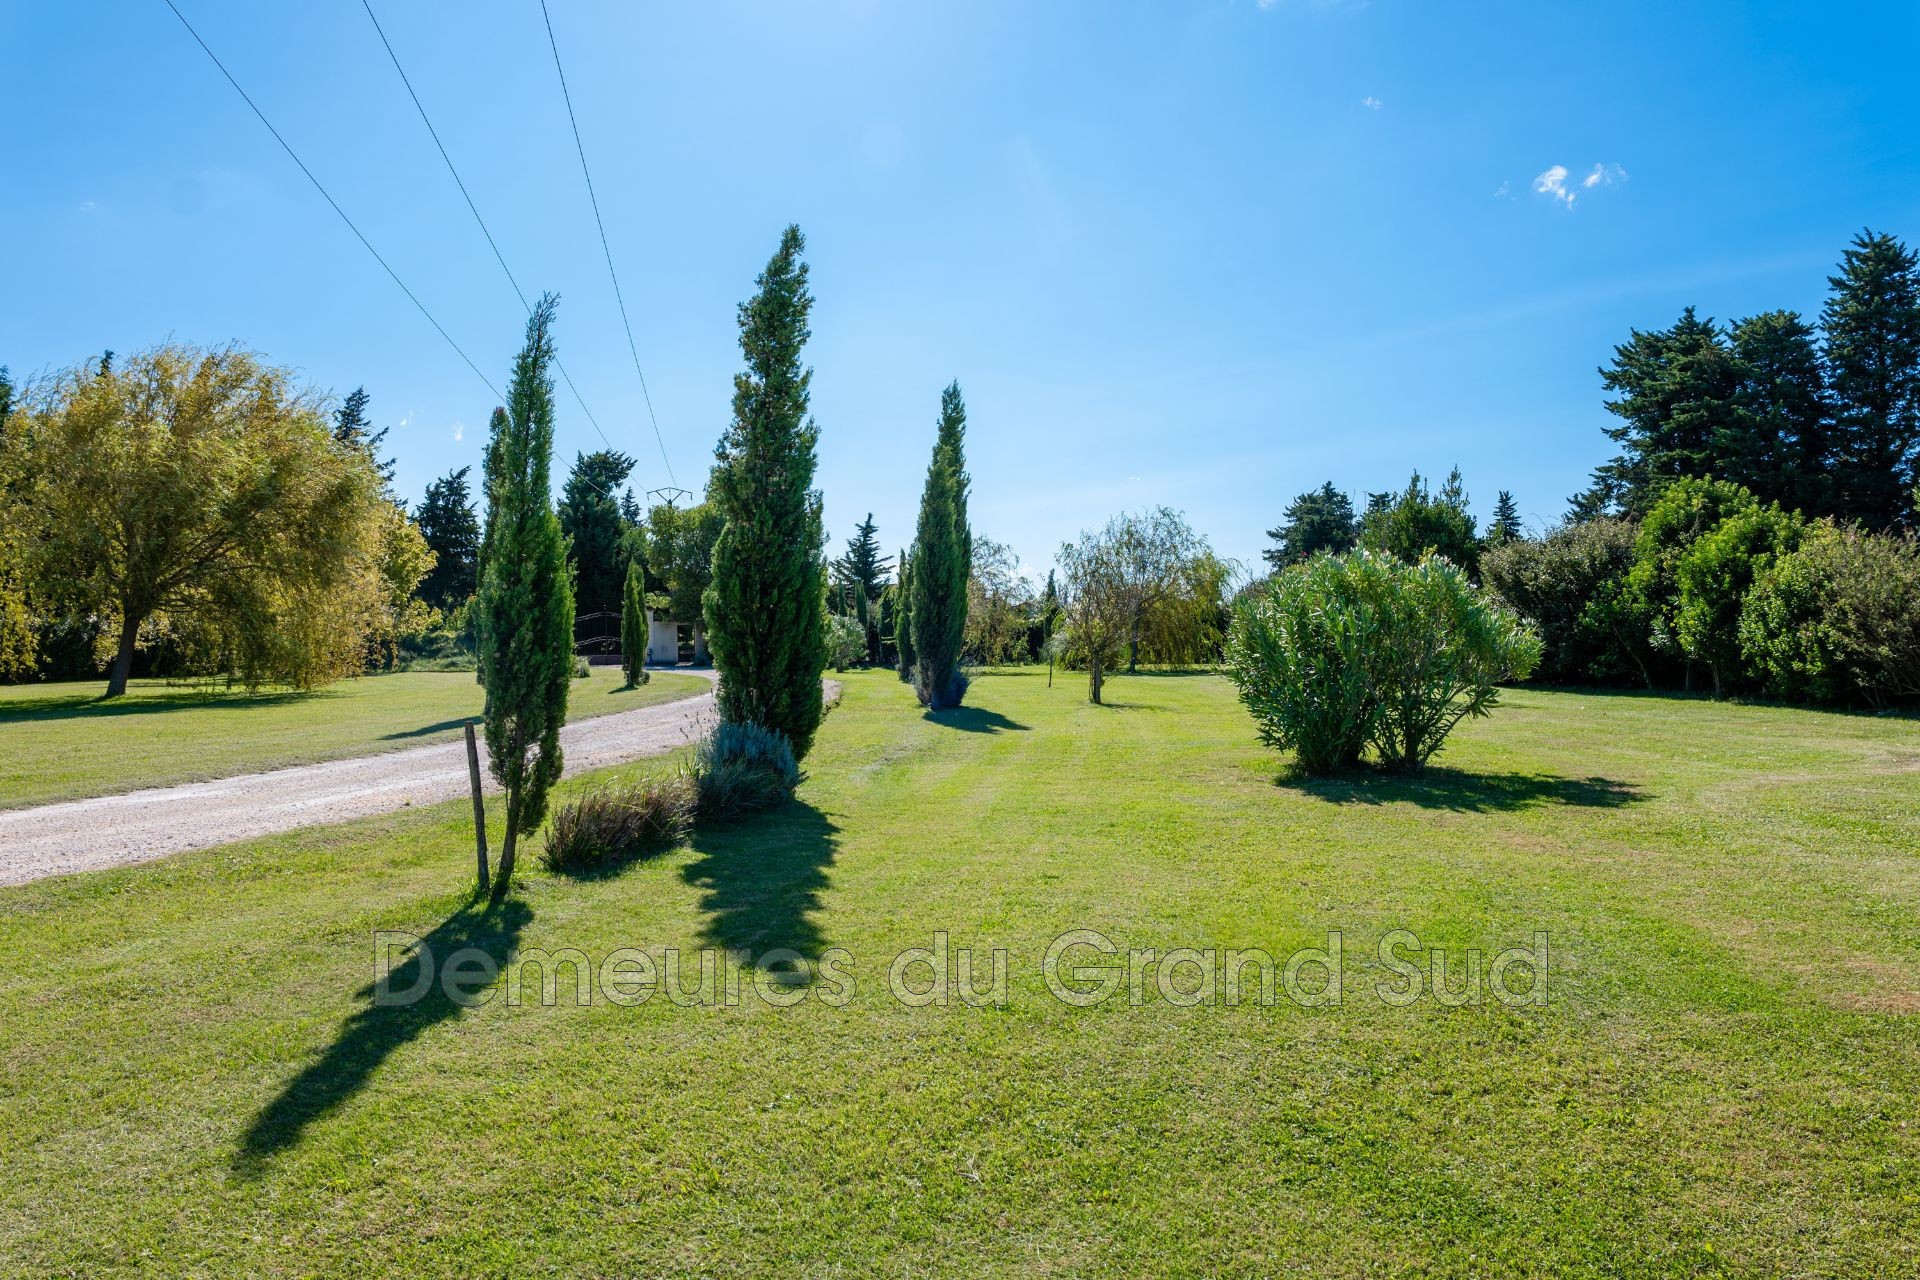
point(612, 825)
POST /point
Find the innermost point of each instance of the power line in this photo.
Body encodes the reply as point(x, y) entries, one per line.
point(474, 209)
point(331, 201)
point(612, 274)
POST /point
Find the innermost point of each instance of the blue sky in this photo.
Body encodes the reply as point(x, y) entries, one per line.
point(1205, 254)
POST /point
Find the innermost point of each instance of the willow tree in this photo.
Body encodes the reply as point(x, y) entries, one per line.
point(942, 562)
point(524, 608)
point(203, 488)
point(766, 606)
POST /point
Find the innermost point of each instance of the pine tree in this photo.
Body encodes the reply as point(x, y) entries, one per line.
point(942, 562)
point(1872, 326)
point(1506, 525)
point(1780, 443)
point(1674, 392)
point(596, 530)
point(866, 568)
point(903, 619)
point(765, 609)
point(451, 529)
point(524, 609)
point(633, 624)
point(352, 428)
point(1318, 520)
point(6, 398)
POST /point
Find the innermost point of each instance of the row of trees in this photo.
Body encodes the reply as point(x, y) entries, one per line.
point(1407, 524)
point(1822, 419)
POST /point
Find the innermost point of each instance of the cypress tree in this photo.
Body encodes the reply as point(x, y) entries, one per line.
point(1872, 324)
point(633, 624)
point(524, 609)
point(942, 562)
point(903, 620)
point(766, 607)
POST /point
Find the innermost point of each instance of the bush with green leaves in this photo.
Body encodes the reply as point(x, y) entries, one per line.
point(610, 825)
point(742, 767)
point(1837, 620)
point(1347, 652)
point(846, 641)
point(1713, 578)
point(1572, 586)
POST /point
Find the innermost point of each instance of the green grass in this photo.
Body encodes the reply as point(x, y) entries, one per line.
point(63, 742)
point(1726, 1080)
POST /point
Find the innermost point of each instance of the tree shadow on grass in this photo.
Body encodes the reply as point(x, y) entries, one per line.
point(74, 706)
point(973, 720)
point(1461, 791)
point(367, 1038)
point(761, 877)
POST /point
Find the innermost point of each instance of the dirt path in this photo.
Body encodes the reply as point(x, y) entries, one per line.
point(110, 831)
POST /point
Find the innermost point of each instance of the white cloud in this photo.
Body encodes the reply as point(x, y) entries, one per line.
point(404, 421)
point(88, 206)
point(1554, 183)
point(1505, 191)
point(1370, 102)
point(1603, 175)
point(459, 433)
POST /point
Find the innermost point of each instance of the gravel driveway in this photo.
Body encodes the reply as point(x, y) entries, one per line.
point(110, 831)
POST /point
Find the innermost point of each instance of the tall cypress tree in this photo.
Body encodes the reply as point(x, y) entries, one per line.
point(942, 562)
point(766, 607)
point(524, 609)
point(633, 624)
point(903, 619)
point(1872, 324)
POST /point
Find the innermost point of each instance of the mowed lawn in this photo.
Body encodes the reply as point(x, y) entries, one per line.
point(62, 742)
point(1725, 1079)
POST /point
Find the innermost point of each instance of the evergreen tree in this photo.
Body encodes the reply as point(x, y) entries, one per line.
point(351, 427)
point(1506, 520)
point(1419, 521)
point(633, 624)
point(765, 610)
point(1318, 520)
point(1872, 325)
point(629, 508)
point(595, 529)
point(1674, 392)
point(451, 529)
point(942, 562)
point(866, 569)
point(1779, 443)
point(6, 398)
point(524, 609)
point(903, 619)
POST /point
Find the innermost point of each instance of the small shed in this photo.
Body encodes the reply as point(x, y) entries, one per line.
point(668, 639)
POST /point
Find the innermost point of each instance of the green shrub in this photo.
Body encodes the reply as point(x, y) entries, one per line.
point(1838, 620)
point(1572, 586)
point(1436, 653)
point(741, 767)
point(1714, 577)
point(1364, 650)
point(581, 670)
point(1296, 651)
point(610, 825)
point(846, 641)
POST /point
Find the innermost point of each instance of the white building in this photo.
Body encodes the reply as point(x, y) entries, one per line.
point(664, 638)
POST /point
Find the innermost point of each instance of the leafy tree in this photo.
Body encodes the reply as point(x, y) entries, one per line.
point(595, 529)
point(1685, 512)
point(633, 625)
point(1506, 526)
point(677, 544)
point(1154, 552)
point(1097, 602)
point(351, 427)
point(1838, 619)
point(200, 484)
point(765, 609)
point(451, 529)
point(942, 562)
point(1318, 520)
point(1572, 586)
point(1779, 441)
point(1714, 576)
point(524, 609)
point(1872, 325)
point(1188, 625)
point(1419, 522)
point(996, 605)
point(6, 399)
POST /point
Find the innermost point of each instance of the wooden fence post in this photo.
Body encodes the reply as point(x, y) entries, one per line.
point(479, 806)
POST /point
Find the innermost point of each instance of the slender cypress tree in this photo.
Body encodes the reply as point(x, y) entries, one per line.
point(903, 620)
point(766, 606)
point(524, 609)
point(942, 562)
point(633, 624)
